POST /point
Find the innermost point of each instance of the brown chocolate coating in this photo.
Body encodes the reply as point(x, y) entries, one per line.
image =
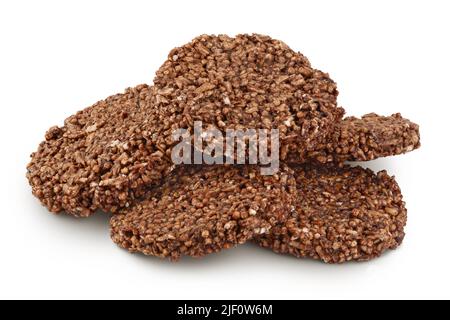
point(101, 158)
point(341, 214)
point(198, 211)
point(250, 82)
point(368, 138)
point(107, 155)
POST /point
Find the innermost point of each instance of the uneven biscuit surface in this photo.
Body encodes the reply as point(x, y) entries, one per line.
point(201, 210)
point(103, 157)
point(106, 155)
point(367, 138)
point(100, 158)
point(341, 214)
point(250, 82)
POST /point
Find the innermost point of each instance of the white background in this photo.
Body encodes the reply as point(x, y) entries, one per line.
point(57, 57)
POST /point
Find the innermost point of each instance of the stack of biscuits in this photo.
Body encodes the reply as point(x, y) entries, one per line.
point(116, 156)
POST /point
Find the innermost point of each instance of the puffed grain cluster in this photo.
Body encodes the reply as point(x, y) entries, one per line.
point(250, 82)
point(101, 157)
point(106, 155)
point(341, 214)
point(368, 138)
point(201, 210)
point(116, 156)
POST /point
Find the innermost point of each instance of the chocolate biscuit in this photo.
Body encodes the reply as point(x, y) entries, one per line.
point(107, 155)
point(250, 82)
point(341, 214)
point(202, 210)
point(367, 138)
point(103, 159)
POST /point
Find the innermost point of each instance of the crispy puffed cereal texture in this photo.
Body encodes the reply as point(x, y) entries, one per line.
point(341, 214)
point(250, 82)
point(367, 138)
point(202, 210)
point(106, 155)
